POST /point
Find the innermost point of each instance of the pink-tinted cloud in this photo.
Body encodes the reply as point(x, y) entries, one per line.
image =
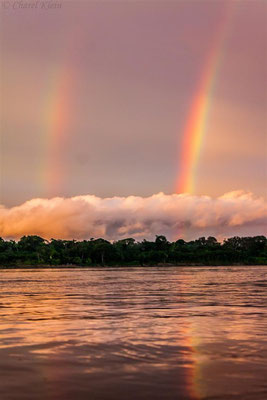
point(83, 217)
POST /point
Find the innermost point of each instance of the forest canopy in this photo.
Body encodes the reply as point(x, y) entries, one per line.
point(36, 251)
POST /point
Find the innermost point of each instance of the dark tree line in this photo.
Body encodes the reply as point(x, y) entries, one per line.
point(34, 250)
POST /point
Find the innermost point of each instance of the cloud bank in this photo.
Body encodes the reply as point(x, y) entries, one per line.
point(183, 215)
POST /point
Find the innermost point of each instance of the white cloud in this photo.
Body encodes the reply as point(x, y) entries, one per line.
point(183, 215)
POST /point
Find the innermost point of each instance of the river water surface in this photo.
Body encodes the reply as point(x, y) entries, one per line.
point(133, 333)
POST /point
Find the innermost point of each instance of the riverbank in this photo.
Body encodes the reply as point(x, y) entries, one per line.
point(73, 266)
point(36, 252)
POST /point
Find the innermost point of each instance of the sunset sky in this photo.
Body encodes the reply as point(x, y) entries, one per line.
point(98, 99)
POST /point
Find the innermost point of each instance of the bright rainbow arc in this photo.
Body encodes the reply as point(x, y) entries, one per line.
point(196, 123)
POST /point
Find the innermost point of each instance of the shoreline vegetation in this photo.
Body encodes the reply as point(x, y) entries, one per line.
point(35, 252)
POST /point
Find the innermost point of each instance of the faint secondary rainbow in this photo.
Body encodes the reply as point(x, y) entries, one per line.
point(196, 122)
point(57, 115)
point(56, 121)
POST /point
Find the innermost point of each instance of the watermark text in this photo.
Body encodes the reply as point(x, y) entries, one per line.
point(31, 5)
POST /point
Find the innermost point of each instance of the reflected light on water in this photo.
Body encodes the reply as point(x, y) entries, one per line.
point(192, 374)
point(141, 333)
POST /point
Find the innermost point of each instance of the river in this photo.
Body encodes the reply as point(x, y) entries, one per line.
point(151, 333)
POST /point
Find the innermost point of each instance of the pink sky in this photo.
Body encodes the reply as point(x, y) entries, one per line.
point(127, 73)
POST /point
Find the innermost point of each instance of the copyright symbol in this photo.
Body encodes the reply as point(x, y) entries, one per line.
point(5, 5)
